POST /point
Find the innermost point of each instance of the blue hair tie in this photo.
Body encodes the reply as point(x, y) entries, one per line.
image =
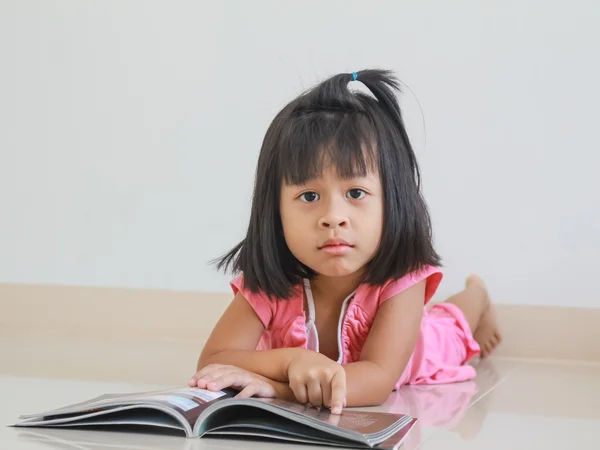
point(354, 76)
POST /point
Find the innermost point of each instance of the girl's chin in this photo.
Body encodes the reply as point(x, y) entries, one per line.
point(335, 269)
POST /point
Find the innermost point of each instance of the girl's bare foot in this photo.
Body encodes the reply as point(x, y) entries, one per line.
point(487, 334)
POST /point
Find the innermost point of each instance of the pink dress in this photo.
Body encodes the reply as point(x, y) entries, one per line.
point(444, 347)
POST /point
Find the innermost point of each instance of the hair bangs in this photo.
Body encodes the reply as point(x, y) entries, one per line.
point(312, 142)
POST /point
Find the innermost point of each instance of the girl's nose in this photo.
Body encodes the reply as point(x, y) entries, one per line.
point(333, 221)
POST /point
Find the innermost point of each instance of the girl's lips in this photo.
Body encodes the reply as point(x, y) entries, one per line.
point(337, 249)
point(333, 242)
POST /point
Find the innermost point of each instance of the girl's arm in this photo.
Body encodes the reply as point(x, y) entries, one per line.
point(370, 381)
point(234, 339)
point(388, 348)
point(232, 344)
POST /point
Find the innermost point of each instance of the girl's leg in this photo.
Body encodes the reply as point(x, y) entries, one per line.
point(474, 302)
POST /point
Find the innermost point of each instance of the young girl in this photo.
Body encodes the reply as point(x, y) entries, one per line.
point(338, 264)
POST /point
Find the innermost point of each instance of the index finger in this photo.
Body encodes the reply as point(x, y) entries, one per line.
point(338, 391)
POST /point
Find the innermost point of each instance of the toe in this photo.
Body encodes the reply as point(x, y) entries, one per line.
point(488, 350)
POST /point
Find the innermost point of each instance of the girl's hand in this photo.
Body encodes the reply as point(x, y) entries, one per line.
point(316, 379)
point(215, 377)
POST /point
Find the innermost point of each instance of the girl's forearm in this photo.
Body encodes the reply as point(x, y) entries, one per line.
point(272, 364)
point(367, 384)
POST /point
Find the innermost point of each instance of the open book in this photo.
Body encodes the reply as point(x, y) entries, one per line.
point(197, 412)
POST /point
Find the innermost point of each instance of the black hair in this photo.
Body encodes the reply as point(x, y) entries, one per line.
point(354, 131)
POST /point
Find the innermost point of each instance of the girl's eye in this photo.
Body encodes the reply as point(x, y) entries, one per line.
point(309, 197)
point(356, 194)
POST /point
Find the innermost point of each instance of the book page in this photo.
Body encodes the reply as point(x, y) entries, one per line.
point(187, 402)
point(246, 420)
point(363, 422)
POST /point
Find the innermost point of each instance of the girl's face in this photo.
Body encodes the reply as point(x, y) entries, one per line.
point(333, 225)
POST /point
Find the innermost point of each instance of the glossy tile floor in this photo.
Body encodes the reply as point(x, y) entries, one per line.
point(511, 404)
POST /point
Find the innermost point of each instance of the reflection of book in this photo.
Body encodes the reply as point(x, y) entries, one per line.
point(198, 413)
point(73, 439)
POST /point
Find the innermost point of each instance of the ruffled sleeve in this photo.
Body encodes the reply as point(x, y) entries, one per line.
point(262, 305)
point(431, 274)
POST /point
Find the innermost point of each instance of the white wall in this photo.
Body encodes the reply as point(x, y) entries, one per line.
point(130, 130)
